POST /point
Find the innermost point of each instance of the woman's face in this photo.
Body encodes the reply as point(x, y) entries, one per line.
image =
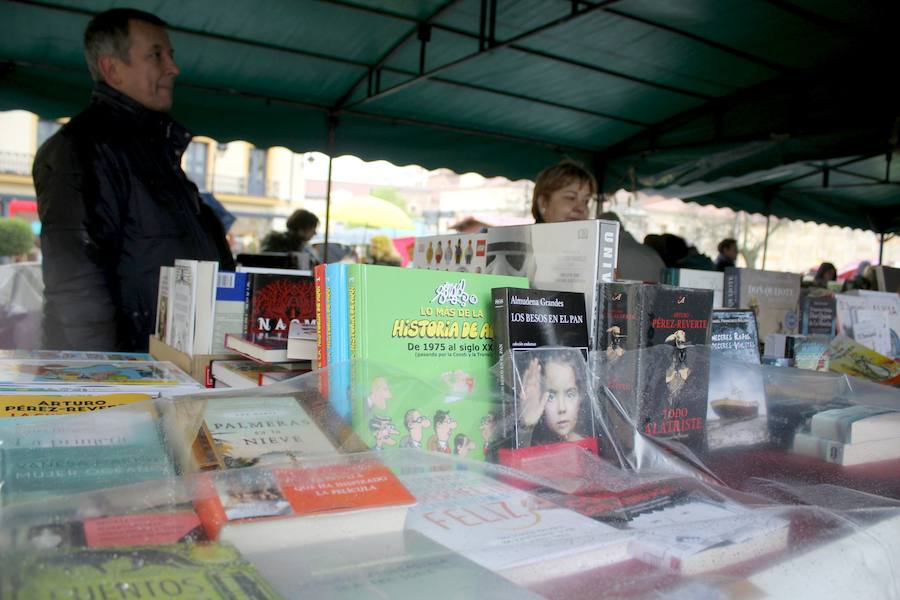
point(568, 203)
point(563, 398)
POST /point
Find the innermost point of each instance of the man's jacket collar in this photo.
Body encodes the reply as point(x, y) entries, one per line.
point(155, 122)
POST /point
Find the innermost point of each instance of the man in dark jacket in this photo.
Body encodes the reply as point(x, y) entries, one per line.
point(114, 203)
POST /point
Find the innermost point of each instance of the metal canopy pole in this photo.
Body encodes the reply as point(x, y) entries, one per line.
point(766, 242)
point(332, 125)
point(881, 249)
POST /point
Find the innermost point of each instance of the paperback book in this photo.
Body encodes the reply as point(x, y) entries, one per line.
point(41, 457)
point(736, 415)
point(249, 373)
point(43, 373)
point(541, 345)
point(773, 296)
point(228, 316)
point(35, 405)
point(210, 571)
point(288, 507)
point(440, 325)
point(699, 279)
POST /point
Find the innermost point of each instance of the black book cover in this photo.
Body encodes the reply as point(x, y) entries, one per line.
point(818, 315)
point(274, 300)
point(543, 375)
point(673, 373)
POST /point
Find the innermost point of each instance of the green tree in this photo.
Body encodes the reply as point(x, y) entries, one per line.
point(390, 194)
point(16, 237)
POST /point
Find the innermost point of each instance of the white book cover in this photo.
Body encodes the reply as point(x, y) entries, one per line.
point(163, 304)
point(704, 280)
point(247, 429)
point(857, 307)
point(702, 534)
point(508, 530)
point(204, 306)
point(847, 455)
point(464, 252)
point(231, 289)
point(184, 297)
point(856, 424)
point(566, 257)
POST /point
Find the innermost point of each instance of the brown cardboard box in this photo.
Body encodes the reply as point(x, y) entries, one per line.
point(195, 366)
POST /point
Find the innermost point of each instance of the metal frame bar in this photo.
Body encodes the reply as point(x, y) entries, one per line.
point(522, 36)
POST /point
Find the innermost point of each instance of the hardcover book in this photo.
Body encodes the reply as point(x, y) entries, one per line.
point(464, 252)
point(888, 279)
point(265, 349)
point(274, 300)
point(440, 325)
point(542, 388)
point(736, 415)
point(325, 502)
point(875, 315)
point(229, 312)
point(209, 571)
point(338, 355)
point(574, 256)
point(194, 292)
point(249, 373)
point(773, 296)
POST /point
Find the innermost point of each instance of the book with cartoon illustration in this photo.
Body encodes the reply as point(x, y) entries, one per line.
point(461, 253)
point(207, 570)
point(438, 326)
point(36, 372)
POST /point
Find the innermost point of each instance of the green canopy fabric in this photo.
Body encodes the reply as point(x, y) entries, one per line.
point(633, 88)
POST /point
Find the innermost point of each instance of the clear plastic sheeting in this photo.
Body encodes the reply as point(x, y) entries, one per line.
point(269, 492)
point(21, 300)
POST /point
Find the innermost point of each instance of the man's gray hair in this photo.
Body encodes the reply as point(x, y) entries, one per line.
point(107, 35)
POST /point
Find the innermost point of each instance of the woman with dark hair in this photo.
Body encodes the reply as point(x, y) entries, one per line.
point(553, 401)
point(827, 272)
point(563, 192)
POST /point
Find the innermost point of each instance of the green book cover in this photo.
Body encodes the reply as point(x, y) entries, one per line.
point(55, 456)
point(208, 571)
point(436, 326)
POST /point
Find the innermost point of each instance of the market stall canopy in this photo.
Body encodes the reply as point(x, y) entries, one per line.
point(858, 191)
point(502, 87)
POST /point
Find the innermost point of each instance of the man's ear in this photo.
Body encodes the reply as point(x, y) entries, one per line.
point(109, 69)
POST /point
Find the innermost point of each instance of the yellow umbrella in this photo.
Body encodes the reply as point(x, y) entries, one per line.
point(369, 211)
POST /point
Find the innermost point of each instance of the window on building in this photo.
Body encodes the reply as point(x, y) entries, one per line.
point(195, 163)
point(46, 128)
point(256, 175)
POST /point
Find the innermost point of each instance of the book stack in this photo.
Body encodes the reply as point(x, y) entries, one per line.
point(279, 308)
point(853, 435)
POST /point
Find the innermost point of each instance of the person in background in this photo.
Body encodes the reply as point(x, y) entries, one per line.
point(728, 252)
point(636, 261)
point(301, 228)
point(864, 279)
point(827, 272)
point(382, 251)
point(114, 202)
point(563, 192)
